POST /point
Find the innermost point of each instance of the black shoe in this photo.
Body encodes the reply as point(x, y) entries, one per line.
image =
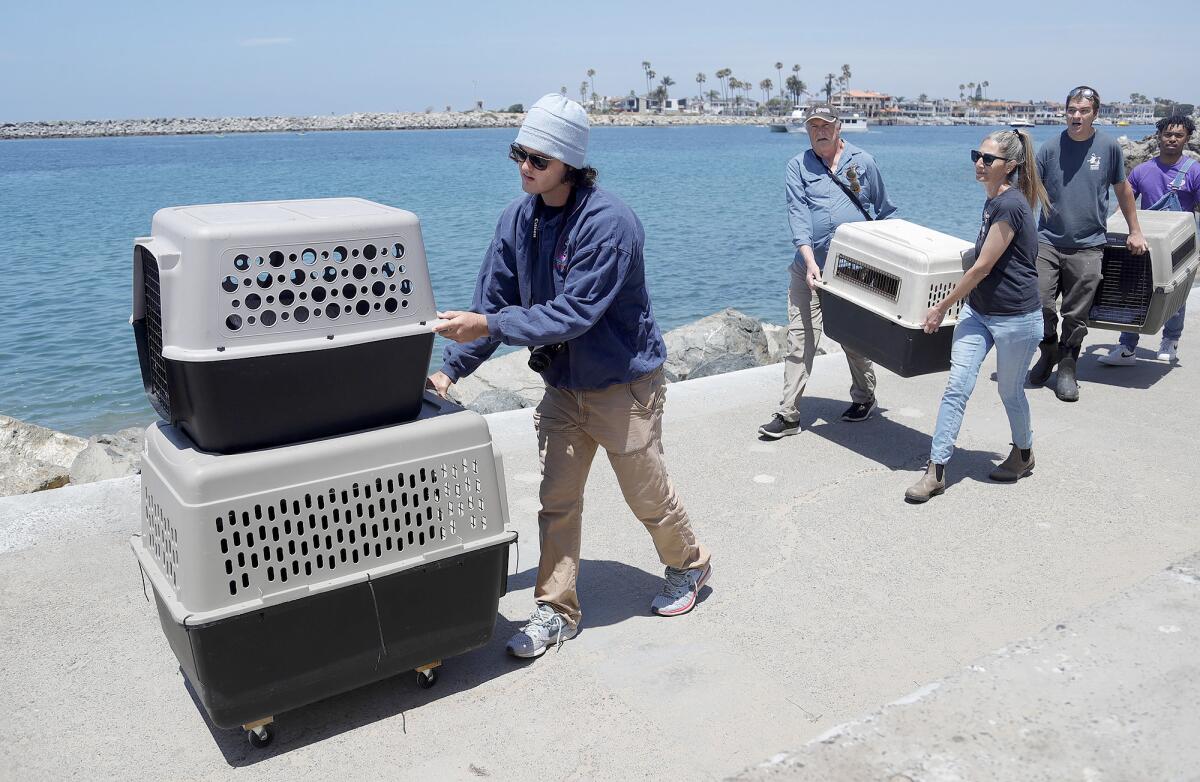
point(1049, 356)
point(779, 427)
point(859, 411)
point(1067, 387)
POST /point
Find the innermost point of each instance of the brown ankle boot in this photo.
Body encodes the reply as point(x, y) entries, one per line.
point(932, 483)
point(1014, 467)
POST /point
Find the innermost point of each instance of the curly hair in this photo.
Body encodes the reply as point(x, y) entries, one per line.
point(581, 177)
point(1176, 119)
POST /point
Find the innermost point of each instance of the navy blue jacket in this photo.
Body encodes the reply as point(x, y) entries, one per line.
point(594, 300)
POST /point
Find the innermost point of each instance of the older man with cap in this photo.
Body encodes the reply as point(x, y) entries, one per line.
point(564, 276)
point(831, 183)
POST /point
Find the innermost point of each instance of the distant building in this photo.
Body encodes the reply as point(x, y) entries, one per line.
point(865, 102)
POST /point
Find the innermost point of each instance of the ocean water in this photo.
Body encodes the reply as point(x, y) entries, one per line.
point(711, 199)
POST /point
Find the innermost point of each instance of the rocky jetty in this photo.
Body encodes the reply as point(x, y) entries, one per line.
point(434, 120)
point(33, 458)
point(1137, 152)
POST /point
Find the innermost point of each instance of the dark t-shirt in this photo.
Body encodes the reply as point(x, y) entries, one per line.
point(1010, 288)
point(1077, 176)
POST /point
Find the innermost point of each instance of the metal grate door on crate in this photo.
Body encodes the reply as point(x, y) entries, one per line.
point(280, 543)
point(1126, 287)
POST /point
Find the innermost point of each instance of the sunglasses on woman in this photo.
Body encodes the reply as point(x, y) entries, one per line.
point(519, 155)
point(988, 159)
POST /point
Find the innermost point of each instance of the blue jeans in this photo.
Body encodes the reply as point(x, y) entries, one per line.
point(1016, 339)
point(1172, 329)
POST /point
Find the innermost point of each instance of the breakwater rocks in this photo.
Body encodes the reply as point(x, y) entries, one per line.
point(33, 458)
point(434, 120)
point(1137, 152)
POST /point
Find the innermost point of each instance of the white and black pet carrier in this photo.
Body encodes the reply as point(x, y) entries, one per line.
point(259, 324)
point(291, 574)
point(1140, 292)
point(879, 279)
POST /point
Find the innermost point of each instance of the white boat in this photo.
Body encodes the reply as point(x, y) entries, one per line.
point(1019, 123)
point(855, 123)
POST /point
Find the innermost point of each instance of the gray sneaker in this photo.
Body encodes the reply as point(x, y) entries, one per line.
point(546, 626)
point(679, 593)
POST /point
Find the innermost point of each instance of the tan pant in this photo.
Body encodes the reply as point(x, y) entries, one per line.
point(626, 420)
point(804, 334)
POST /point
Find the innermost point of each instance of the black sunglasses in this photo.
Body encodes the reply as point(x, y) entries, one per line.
point(519, 155)
point(988, 159)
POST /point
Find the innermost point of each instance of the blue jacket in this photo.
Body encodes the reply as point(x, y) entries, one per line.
point(817, 206)
point(593, 299)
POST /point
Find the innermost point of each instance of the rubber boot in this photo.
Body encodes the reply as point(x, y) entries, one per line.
point(1045, 363)
point(1015, 467)
point(932, 483)
point(1067, 388)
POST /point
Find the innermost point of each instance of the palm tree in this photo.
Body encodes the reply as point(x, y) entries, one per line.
point(591, 72)
point(765, 85)
point(700, 79)
point(734, 84)
point(583, 87)
point(970, 90)
point(829, 77)
point(845, 77)
point(984, 86)
point(646, 70)
point(722, 75)
point(666, 82)
point(779, 72)
point(713, 96)
point(793, 88)
point(961, 87)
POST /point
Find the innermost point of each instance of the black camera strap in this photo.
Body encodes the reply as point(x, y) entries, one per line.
point(849, 193)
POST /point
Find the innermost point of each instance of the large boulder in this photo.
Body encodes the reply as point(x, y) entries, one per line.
point(34, 458)
point(726, 333)
point(510, 374)
point(109, 456)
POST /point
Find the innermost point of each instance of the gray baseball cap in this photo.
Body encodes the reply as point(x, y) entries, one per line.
point(821, 111)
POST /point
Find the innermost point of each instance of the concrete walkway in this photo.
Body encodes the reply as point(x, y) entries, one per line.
point(830, 596)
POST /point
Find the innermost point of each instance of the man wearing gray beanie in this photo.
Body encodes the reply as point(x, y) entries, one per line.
point(564, 276)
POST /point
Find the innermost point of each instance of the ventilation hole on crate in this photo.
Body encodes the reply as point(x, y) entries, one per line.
point(253, 301)
point(360, 271)
point(276, 259)
point(241, 263)
point(374, 271)
point(392, 287)
point(292, 257)
point(406, 287)
point(398, 250)
point(363, 307)
point(233, 322)
point(390, 305)
point(332, 310)
point(379, 289)
point(228, 567)
point(301, 314)
point(297, 276)
point(270, 300)
point(318, 294)
point(236, 303)
point(354, 252)
point(339, 253)
point(389, 269)
point(404, 303)
point(369, 251)
point(349, 290)
point(224, 546)
point(263, 279)
point(286, 298)
point(309, 256)
point(268, 318)
point(329, 274)
point(283, 574)
point(233, 587)
point(250, 320)
point(229, 284)
point(348, 308)
point(237, 538)
point(270, 574)
point(247, 282)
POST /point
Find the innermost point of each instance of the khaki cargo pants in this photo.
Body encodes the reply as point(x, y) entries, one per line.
point(626, 420)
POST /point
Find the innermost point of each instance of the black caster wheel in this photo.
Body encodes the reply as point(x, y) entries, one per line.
point(426, 679)
point(260, 737)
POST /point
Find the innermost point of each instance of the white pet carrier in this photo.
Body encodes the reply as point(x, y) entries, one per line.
point(289, 574)
point(264, 323)
point(880, 278)
point(1140, 292)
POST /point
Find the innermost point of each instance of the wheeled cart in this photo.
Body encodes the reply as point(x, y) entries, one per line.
point(287, 575)
point(1140, 293)
point(879, 280)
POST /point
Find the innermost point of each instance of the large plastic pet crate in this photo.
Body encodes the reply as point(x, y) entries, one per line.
point(259, 324)
point(879, 279)
point(291, 574)
point(1140, 292)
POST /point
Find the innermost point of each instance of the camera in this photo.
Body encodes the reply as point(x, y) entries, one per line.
point(540, 357)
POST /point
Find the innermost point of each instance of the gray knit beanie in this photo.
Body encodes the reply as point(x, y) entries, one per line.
point(556, 126)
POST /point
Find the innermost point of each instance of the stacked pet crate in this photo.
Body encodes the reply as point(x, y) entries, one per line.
point(1140, 292)
point(879, 280)
point(312, 520)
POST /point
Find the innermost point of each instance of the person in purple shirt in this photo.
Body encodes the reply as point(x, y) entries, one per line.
point(1169, 182)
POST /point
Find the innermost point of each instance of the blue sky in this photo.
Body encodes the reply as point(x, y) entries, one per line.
point(78, 60)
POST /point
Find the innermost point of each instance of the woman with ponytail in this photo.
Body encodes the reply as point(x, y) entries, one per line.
point(1002, 308)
